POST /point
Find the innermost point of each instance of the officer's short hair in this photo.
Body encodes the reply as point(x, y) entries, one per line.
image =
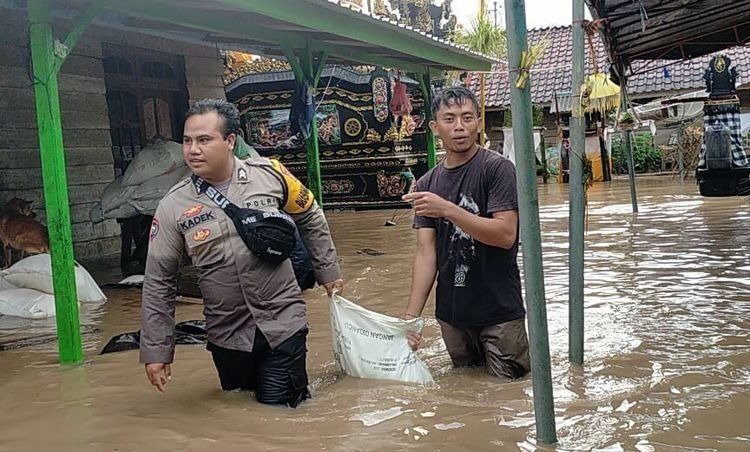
point(453, 96)
point(227, 111)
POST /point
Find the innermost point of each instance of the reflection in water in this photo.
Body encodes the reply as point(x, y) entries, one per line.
point(667, 351)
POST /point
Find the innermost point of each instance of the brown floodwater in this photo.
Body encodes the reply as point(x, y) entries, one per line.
point(667, 351)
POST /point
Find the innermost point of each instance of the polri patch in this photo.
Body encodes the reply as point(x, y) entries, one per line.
point(154, 229)
point(201, 235)
point(191, 211)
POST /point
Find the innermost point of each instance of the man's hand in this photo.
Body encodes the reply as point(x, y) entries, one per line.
point(427, 204)
point(334, 286)
point(413, 338)
point(159, 374)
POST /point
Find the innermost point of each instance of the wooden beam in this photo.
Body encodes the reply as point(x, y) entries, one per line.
point(82, 22)
point(55, 182)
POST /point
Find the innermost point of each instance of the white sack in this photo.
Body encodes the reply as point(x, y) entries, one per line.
point(35, 272)
point(153, 160)
point(371, 345)
point(26, 303)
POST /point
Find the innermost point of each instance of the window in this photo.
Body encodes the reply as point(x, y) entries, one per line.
point(144, 104)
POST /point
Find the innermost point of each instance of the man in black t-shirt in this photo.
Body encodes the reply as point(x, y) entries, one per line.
point(466, 216)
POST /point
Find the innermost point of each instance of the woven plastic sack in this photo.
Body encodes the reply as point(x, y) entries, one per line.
point(371, 345)
point(35, 272)
point(26, 303)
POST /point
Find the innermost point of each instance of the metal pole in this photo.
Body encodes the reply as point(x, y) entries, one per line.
point(631, 168)
point(545, 172)
point(627, 136)
point(55, 182)
point(606, 174)
point(576, 196)
point(680, 157)
point(482, 133)
point(541, 374)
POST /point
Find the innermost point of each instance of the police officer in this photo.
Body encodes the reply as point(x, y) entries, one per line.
point(255, 313)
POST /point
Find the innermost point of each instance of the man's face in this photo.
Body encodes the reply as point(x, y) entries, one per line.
point(457, 125)
point(204, 147)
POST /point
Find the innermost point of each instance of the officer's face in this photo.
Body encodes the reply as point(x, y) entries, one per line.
point(206, 151)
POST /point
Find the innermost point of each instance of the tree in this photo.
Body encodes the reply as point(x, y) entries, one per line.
point(485, 37)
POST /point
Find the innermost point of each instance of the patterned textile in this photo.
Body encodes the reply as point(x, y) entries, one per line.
point(732, 121)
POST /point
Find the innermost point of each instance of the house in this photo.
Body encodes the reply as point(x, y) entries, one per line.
point(551, 79)
point(119, 88)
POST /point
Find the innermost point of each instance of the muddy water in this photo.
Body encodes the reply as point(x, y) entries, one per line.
point(667, 352)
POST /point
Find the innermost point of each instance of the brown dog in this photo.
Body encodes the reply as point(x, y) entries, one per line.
point(18, 230)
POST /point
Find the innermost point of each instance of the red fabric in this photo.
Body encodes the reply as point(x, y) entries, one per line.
point(400, 103)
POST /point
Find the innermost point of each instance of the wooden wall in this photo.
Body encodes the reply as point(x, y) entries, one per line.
point(84, 119)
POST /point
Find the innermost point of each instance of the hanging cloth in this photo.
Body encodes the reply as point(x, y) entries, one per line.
point(302, 111)
point(400, 103)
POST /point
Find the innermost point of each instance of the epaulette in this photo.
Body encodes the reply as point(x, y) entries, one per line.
point(178, 185)
point(258, 161)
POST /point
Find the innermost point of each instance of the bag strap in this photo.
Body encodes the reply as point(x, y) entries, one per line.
point(202, 186)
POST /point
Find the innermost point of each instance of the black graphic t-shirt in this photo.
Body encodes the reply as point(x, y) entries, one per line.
point(477, 284)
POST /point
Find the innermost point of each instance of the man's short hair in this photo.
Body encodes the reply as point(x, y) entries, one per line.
point(227, 111)
point(453, 96)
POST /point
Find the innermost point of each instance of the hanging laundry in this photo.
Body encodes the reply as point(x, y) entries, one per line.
point(400, 103)
point(302, 110)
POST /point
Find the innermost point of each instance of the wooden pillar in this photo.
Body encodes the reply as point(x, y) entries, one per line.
point(426, 87)
point(46, 61)
point(307, 68)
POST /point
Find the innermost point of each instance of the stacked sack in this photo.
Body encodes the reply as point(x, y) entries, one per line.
point(153, 171)
point(26, 288)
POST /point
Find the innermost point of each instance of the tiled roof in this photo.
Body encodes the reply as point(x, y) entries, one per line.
point(552, 72)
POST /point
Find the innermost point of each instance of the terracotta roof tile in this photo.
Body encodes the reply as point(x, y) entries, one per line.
point(552, 72)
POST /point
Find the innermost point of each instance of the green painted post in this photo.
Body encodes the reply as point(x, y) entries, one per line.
point(304, 70)
point(528, 206)
point(426, 87)
point(313, 151)
point(55, 182)
point(576, 196)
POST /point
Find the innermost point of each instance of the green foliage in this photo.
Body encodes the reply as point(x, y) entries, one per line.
point(646, 157)
point(482, 36)
point(537, 116)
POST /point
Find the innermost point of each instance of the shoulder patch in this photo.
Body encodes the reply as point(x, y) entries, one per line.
point(179, 185)
point(299, 198)
point(257, 161)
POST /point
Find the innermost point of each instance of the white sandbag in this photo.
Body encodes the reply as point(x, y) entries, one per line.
point(26, 303)
point(5, 284)
point(153, 160)
point(35, 272)
point(371, 345)
point(125, 201)
point(132, 280)
point(114, 202)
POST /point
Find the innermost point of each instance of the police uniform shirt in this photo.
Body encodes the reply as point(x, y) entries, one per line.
point(240, 291)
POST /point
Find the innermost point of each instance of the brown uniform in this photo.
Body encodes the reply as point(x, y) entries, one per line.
point(240, 291)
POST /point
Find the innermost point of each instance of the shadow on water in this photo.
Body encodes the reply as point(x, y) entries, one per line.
point(667, 351)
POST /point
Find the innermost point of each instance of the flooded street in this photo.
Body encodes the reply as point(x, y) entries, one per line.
point(667, 352)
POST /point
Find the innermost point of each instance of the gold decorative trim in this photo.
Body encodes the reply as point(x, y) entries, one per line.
point(352, 127)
